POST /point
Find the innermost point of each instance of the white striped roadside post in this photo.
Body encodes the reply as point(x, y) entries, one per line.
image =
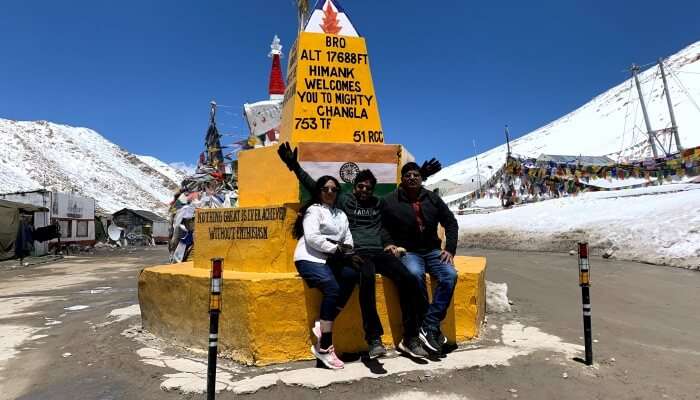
point(584, 277)
point(217, 266)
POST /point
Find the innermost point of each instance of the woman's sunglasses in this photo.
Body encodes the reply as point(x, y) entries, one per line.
point(327, 189)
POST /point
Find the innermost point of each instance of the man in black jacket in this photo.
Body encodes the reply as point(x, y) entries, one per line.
point(411, 215)
point(363, 210)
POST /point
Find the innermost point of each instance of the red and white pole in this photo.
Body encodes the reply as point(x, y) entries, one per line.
point(217, 267)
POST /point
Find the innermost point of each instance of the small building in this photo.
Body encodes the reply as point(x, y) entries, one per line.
point(140, 225)
point(74, 213)
point(11, 215)
point(445, 186)
point(453, 201)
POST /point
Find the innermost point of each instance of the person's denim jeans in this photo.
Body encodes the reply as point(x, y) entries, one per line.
point(445, 275)
point(335, 283)
point(412, 305)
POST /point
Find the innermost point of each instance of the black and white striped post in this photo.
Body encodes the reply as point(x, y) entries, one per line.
point(584, 277)
point(217, 266)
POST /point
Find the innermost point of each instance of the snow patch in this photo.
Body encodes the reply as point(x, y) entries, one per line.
point(418, 395)
point(529, 338)
point(497, 297)
point(658, 225)
point(10, 307)
point(76, 308)
point(97, 290)
point(122, 314)
point(191, 376)
point(518, 340)
point(125, 313)
point(13, 335)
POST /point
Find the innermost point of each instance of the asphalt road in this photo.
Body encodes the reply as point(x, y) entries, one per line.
point(646, 318)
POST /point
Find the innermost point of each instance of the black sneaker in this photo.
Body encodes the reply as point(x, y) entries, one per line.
point(429, 338)
point(376, 349)
point(412, 346)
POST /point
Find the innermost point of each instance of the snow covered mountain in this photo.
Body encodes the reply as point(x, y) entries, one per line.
point(40, 154)
point(611, 124)
point(171, 171)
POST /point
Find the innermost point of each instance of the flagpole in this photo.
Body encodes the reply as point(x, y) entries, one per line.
point(303, 9)
point(212, 112)
point(508, 140)
point(478, 172)
point(507, 177)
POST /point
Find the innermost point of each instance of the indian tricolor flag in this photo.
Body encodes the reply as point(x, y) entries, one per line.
point(329, 17)
point(344, 160)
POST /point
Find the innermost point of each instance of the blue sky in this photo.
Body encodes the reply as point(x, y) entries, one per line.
point(142, 73)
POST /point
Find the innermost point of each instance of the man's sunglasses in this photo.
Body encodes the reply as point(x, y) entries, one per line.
point(327, 189)
point(412, 174)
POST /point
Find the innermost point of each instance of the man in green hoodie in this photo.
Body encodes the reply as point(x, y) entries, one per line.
point(363, 210)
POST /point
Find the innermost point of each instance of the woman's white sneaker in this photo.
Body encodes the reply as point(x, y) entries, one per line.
point(327, 357)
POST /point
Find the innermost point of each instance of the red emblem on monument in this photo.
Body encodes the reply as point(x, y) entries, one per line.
point(330, 20)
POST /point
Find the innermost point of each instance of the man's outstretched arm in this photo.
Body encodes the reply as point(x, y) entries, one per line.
point(291, 159)
point(430, 168)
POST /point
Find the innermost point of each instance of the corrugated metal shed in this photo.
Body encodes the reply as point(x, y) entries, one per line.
point(139, 224)
point(153, 217)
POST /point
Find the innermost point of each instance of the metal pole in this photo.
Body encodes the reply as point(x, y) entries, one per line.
point(214, 310)
point(478, 172)
point(506, 177)
point(635, 70)
point(585, 283)
point(212, 112)
point(670, 107)
point(508, 140)
point(303, 13)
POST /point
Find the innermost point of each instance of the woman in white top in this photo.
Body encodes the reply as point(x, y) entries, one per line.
point(324, 233)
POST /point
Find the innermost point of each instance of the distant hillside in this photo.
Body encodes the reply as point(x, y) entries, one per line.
point(35, 155)
point(611, 124)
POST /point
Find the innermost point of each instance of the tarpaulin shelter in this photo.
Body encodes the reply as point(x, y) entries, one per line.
point(101, 223)
point(10, 223)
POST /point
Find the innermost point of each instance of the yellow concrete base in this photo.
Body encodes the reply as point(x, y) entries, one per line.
point(266, 317)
